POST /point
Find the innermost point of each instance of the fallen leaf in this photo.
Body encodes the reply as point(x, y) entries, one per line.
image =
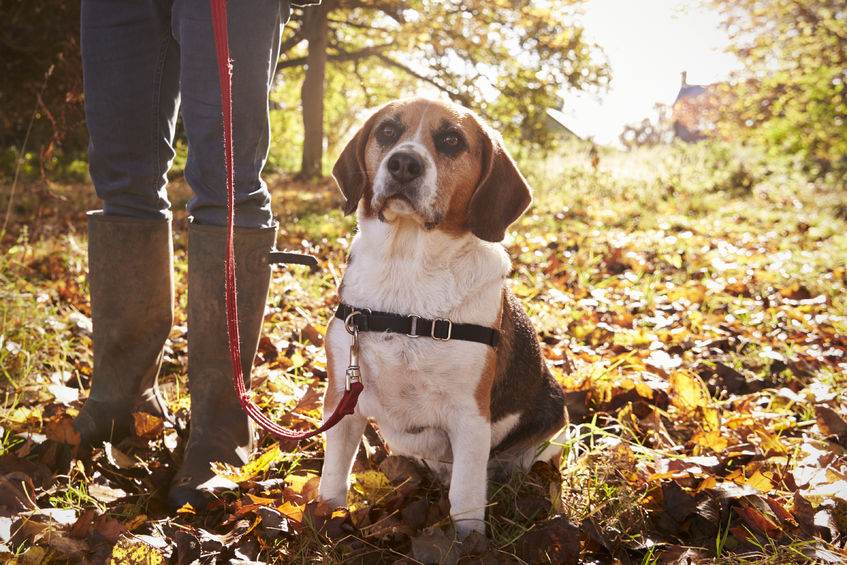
point(434, 546)
point(831, 423)
point(60, 429)
point(687, 392)
point(552, 541)
point(129, 551)
point(254, 468)
point(16, 492)
point(118, 458)
point(147, 426)
point(105, 493)
point(757, 520)
point(109, 529)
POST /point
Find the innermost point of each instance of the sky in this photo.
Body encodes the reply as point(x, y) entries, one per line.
point(648, 44)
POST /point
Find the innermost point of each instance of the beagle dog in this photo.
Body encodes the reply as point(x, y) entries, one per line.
point(451, 366)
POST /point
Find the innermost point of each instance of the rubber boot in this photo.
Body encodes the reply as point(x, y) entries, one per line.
point(130, 276)
point(220, 430)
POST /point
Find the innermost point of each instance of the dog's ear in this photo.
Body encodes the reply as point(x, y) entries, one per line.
point(350, 172)
point(502, 194)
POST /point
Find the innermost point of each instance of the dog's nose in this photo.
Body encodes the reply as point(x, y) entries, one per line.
point(405, 167)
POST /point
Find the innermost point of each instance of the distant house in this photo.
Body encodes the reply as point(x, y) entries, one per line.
point(693, 111)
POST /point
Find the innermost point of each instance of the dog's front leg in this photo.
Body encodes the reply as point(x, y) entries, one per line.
point(342, 442)
point(470, 439)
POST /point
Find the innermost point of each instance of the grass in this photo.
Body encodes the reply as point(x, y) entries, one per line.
point(673, 259)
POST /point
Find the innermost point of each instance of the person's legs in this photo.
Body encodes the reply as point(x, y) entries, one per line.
point(220, 430)
point(254, 31)
point(131, 79)
point(130, 66)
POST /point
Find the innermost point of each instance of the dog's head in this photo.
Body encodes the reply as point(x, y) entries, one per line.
point(435, 163)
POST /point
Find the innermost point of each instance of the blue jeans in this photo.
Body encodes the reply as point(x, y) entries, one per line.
point(143, 60)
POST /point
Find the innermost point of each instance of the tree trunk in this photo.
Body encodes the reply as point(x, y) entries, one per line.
point(316, 26)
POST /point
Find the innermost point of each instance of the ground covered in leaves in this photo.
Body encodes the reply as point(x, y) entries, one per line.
point(691, 302)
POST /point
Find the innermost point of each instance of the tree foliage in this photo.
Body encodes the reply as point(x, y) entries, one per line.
point(40, 77)
point(508, 60)
point(791, 94)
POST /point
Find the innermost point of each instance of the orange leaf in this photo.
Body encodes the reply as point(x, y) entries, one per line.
point(147, 426)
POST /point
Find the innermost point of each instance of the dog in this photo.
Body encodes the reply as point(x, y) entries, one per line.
point(467, 390)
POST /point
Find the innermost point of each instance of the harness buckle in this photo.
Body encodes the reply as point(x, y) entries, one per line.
point(449, 329)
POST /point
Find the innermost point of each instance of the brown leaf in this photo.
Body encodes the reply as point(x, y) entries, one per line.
point(312, 334)
point(553, 541)
point(757, 520)
point(434, 546)
point(415, 513)
point(109, 529)
point(118, 458)
point(15, 494)
point(779, 510)
point(147, 426)
point(401, 470)
point(82, 526)
point(60, 429)
point(311, 401)
point(188, 549)
point(831, 423)
point(677, 506)
point(66, 547)
point(678, 555)
point(795, 291)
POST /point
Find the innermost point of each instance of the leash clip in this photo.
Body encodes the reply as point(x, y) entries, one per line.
point(353, 374)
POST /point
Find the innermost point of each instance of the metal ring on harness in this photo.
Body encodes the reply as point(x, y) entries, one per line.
point(352, 328)
point(347, 326)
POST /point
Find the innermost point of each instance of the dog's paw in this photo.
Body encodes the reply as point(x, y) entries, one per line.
point(466, 527)
point(334, 498)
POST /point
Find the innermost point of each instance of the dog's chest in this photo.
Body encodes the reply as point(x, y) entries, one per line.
point(418, 382)
point(421, 382)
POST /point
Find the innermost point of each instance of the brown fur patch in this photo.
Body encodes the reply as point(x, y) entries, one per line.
point(482, 394)
point(523, 382)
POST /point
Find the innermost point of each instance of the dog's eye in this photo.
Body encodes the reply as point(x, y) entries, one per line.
point(449, 142)
point(388, 133)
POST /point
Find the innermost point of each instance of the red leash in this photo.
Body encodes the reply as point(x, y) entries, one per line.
point(351, 396)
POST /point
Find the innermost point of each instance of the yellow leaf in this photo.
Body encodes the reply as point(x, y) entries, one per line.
point(523, 291)
point(708, 483)
point(687, 392)
point(760, 481)
point(133, 552)
point(297, 360)
point(711, 440)
point(186, 509)
point(254, 468)
point(373, 485)
point(302, 487)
